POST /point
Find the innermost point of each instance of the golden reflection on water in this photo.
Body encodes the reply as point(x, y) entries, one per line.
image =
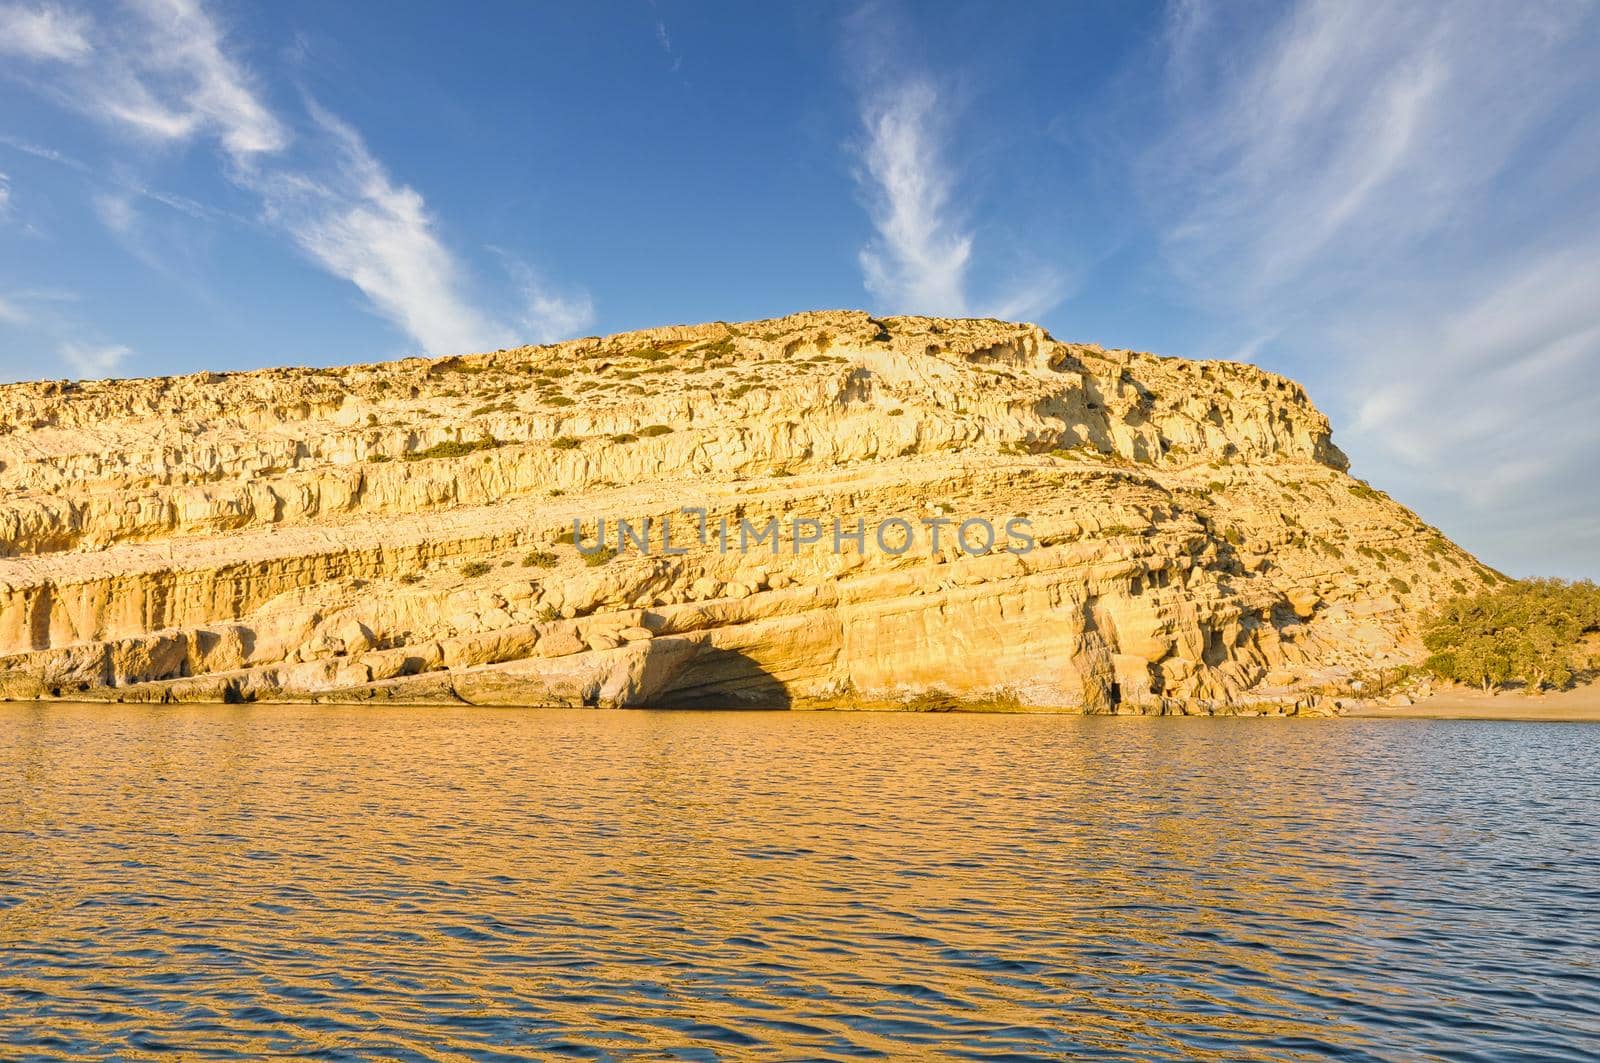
point(445, 884)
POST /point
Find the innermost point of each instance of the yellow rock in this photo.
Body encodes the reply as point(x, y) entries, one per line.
point(291, 533)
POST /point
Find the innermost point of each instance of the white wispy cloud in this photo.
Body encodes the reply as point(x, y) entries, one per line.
point(350, 216)
point(664, 39)
point(918, 263)
point(5, 195)
point(167, 73)
point(42, 32)
point(547, 315)
point(162, 74)
point(1412, 190)
point(116, 212)
point(921, 257)
point(353, 219)
point(91, 360)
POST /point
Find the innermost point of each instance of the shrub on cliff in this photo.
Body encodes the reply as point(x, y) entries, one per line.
point(1525, 631)
point(453, 449)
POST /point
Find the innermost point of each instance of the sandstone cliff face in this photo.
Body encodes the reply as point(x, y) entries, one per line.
point(397, 531)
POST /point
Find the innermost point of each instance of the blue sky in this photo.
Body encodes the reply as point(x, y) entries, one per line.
point(1396, 203)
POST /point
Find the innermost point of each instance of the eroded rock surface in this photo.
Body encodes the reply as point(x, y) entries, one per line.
point(397, 531)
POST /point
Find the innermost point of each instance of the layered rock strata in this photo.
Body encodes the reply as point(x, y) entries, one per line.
point(403, 531)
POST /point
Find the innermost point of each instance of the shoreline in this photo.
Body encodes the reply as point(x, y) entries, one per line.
point(1579, 705)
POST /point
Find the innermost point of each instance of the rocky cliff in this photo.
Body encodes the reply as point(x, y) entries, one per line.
point(1168, 535)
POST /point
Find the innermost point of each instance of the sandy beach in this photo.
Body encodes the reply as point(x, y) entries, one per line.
point(1582, 703)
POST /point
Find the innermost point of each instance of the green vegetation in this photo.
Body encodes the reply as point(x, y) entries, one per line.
point(1526, 631)
point(539, 559)
point(655, 430)
point(1362, 489)
point(722, 348)
point(473, 569)
point(559, 400)
point(624, 437)
point(739, 390)
point(566, 443)
point(600, 557)
point(453, 449)
point(454, 364)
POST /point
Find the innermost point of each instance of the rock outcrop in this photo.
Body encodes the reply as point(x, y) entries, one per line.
point(1164, 536)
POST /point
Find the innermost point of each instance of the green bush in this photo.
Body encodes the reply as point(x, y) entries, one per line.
point(559, 400)
point(566, 443)
point(1524, 631)
point(452, 449)
point(539, 559)
point(624, 437)
point(600, 557)
point(722, 348)
point(1362, 489)
point(473, 569)
point(655, 430)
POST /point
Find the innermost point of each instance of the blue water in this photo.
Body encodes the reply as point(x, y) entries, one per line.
point(250, 881)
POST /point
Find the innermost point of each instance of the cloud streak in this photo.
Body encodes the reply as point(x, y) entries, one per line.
point(357, 223)
point(1410, 190)
point(93, 360)
point(41, 33)
point(167, 75)
point(921, 257)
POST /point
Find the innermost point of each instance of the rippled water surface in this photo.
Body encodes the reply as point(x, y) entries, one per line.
point(358, 883)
